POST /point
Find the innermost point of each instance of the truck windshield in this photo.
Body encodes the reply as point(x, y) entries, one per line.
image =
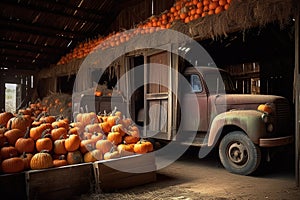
point(219, 83)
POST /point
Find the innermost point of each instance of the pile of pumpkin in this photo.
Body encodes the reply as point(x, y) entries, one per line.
point(28, 142)
point(182, 10)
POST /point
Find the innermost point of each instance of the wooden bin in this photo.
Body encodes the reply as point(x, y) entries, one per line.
point(109, 176)
point(13, 186)
point(59, 183)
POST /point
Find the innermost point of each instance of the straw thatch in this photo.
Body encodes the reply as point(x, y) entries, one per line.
point(243, 15)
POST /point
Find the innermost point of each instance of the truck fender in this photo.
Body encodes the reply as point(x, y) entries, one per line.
point(250, 121)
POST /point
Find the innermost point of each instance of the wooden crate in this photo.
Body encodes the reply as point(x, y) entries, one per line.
point(13, 186)
point(109, 176)
point(59, 183)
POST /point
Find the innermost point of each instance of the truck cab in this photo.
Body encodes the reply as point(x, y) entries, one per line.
point(240, 125)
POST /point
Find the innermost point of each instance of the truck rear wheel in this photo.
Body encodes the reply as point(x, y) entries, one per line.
point(239, 154)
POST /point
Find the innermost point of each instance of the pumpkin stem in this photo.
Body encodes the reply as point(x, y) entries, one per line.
point(62, 157)
point(24, 155)
point(27, 133)
point(39, 116)
point(46, 133)
point(114, 111)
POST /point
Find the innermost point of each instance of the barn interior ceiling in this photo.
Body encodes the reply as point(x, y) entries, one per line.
point(36, 33)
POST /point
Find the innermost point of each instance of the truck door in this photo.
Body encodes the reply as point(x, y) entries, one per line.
point(198, 89)
point(158, 97)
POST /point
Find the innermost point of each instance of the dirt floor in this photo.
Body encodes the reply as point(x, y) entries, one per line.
point(191, 178)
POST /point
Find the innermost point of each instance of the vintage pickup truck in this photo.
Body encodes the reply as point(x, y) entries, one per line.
point(240, 125)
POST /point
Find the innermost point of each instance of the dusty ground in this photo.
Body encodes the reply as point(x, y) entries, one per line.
point(191, 178)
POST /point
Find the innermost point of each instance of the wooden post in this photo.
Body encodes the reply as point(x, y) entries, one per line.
point(297, 97)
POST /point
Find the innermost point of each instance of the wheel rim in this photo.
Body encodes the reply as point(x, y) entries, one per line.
point(237, 153)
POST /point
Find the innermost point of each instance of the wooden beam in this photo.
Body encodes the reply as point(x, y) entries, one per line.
point(22, 65)
point(297, 97)
point(23, 59)
point(43, 9)
point(40, 29)
point(28, 47)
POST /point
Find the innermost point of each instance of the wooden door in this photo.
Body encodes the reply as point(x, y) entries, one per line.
point(157, 95)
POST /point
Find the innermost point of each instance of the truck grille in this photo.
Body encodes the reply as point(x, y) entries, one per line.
point(283, 117)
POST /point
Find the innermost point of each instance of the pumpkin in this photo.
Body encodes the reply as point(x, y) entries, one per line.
point(3, 140)
point(114, 137)
point(45, 142)
point(58, 132)
point(59, 146)
point(3, 129)
point(26, 157)
point(74, 157)
point(36, 132)
point(97, 136)
point(60, 123)
point(61, 161)
point(143, 146)
point(267, 108)
point(12, 165)
point(91, 128)
point(134, 131)
point(8, 152)
point(119, 128)
point(92, 156)
point(20, 122)
point(5, 117)
point(126, 149)
point(13, 135)
point(75, 131)
point(86, 145)
point(113, 153)
point(72, 143)
point(86, 118)
point(104, 146)
point(129, 139)
point(105, 127)
point(113, 120)
point(47, 119)
point(41, 160)
point(25, 144)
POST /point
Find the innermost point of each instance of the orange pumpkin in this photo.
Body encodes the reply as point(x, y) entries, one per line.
point(72, 143)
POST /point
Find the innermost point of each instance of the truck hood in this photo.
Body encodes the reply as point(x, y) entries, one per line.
point(244, 99)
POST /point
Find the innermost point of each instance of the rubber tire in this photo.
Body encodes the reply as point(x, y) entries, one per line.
point(253, 157)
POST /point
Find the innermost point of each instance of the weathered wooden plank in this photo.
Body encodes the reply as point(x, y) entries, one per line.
point(12, 186)
point(59, 183)
point(124, 172)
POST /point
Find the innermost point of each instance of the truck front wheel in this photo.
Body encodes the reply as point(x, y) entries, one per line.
point(239, 154)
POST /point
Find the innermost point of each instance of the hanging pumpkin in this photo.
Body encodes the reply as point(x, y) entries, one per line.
point(41, 160)
point(12, 165)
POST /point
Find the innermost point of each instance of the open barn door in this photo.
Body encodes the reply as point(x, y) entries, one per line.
point(158, 95)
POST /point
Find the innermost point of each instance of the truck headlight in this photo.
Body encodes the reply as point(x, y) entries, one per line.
point(265, 117)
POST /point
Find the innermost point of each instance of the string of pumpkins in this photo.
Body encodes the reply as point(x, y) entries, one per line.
point(182, 10)
point(28, 142)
